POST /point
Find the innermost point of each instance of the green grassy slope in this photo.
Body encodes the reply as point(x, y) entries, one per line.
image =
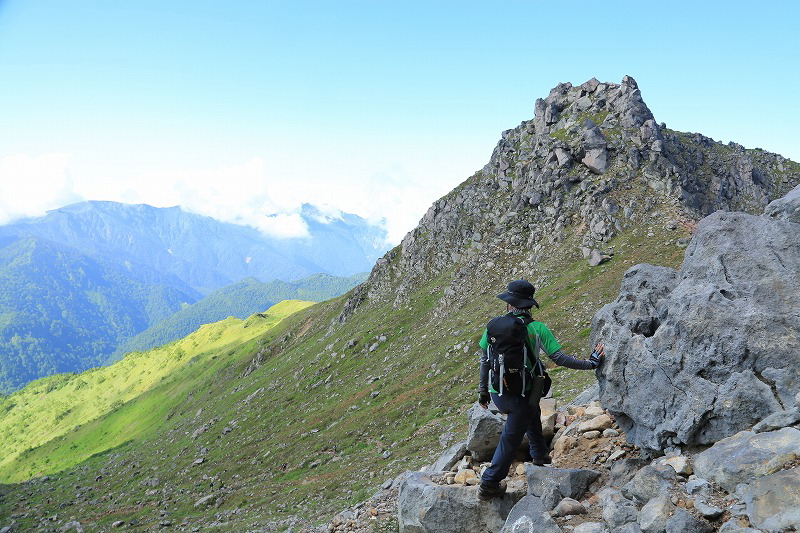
point(307, 419)
point(53, 407)
point(240, 299)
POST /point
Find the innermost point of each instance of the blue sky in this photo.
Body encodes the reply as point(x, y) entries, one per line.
point(241, 109)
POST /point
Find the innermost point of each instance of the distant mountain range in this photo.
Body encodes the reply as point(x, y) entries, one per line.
point(78, 284)
point(202, 252)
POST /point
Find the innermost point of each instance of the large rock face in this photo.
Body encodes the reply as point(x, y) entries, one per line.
point(697, 355)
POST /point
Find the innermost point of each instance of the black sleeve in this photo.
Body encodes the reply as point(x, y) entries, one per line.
point(483, 386)
point(562, 359)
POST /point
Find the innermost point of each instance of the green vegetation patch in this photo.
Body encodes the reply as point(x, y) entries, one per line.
point(51, 407)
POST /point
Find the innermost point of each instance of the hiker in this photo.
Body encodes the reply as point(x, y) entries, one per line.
point(517, 393)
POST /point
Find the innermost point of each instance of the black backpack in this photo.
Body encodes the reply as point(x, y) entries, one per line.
point(508, 352)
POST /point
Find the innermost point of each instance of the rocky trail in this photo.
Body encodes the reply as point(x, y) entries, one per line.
point(598, 482)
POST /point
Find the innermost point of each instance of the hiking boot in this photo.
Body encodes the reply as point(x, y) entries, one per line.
point(541, 461)
point(487, 491)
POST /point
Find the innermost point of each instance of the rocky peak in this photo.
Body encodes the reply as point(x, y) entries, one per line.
point(591, 163)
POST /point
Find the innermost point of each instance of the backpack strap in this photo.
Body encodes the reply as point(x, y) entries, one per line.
point(526, 361)
point(537, 368)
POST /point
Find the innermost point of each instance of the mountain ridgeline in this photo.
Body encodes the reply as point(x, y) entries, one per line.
point(315, 415)
point(79, 283)
point(592, 163)
point(201, 252)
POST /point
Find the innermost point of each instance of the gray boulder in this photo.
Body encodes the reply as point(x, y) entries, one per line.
point(786, 208)
point(630, 527)
point(698, 355)
point(649, 482)
point(622, 471)
point(655, 513)
point(682, 521)
point(448, 458)
point(779, 420)
point(617, 509)
point(596, 160)
point(753, 453)
point(529, 516)
point(426, 507)
point(773, 501)
point(566, 482)
point(590, 527)
point(485, 427)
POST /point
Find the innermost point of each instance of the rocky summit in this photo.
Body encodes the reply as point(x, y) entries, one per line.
point(592, 163)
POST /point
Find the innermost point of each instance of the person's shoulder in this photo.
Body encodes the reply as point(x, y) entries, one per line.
point(539, 326)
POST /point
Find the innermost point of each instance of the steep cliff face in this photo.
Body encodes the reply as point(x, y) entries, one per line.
point(592, 162)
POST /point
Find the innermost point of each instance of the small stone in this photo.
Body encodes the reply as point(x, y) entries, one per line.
point(569, 507)
point(592, 435)
point(616, 454)
point(610, 433)
point(598, 423)
point(199, 461)
point(590, 527)
point(708, 511)
point(596, 258)
point(463, 476)
point(693, 486)
point(680, 463)
point(205, 501)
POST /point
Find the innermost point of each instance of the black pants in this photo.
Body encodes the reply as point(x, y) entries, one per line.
point(524, 418)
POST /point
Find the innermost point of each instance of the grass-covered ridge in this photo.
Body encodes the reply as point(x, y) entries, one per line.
point(240, 299)
point(307, 419)
point(52, 407)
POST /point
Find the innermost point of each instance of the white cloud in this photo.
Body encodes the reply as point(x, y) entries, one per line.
point(249, 193)
point(29, 186)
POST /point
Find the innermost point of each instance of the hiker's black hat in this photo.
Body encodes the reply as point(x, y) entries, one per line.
point(519, 293)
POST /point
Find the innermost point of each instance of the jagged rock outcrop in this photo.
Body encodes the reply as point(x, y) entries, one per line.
point(591, 161)
point(697, 355)
point(747, 482)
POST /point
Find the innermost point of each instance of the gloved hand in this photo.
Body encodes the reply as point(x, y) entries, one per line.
point(484, 398)
point(597, 356)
